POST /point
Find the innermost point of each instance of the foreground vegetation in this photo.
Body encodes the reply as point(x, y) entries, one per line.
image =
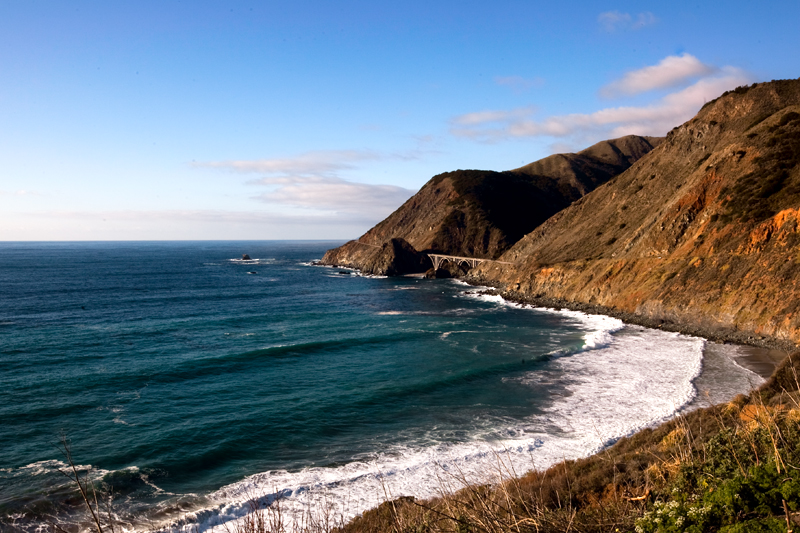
point(730, 468)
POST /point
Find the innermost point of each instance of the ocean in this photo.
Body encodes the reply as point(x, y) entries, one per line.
point(191, 381)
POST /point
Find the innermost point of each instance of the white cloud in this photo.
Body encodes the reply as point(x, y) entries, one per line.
point(653, 119)
point(482, 117)
point(332, 194)
point(322, 162)
point(305, 196)
point(670, 72)
point(311, 181)
point(644, 19)
point(178, 225)
point(518, 84)
point(612, 21)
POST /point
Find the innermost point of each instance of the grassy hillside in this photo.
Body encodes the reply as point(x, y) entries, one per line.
point(702, 230)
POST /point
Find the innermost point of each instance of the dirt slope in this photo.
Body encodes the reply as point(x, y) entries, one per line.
point(703, 229)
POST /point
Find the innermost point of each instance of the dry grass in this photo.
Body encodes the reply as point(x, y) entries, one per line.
point(271, 517)
point(98, 503)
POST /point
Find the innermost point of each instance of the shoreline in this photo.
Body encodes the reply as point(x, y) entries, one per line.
point(692, 404)
point(757, 359)
point(760, 356)
point(761, 353)
point(718, 335)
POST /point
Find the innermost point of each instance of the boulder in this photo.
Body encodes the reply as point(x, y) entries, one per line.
point(395, 258)
point(438, 273)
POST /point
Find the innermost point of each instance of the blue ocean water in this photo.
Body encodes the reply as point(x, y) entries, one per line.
point(189, 380)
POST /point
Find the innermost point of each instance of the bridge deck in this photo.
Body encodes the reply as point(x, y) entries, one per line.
point(438, 259)
point(472, 262)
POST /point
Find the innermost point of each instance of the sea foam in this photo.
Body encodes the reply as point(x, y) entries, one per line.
point(625, 378)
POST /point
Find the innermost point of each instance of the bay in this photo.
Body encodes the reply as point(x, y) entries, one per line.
point(190, 380)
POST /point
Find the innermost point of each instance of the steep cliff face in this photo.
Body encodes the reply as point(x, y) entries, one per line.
point(479, 213)
point(703, 229)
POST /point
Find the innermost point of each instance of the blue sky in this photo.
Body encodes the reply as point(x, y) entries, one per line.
point(314, 120)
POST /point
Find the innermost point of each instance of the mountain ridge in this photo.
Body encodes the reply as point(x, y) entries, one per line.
point(703, 230)
point(481, 213)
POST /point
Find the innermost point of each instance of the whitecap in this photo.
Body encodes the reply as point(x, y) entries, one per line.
point(446, 334)
point(623, 379)
point(638, 378)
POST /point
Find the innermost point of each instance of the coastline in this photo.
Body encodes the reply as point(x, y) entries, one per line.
point(760, 356)
point(759, 361)
point(365, 470)
point(762, 361)
point(719, 335)
point(755, 360)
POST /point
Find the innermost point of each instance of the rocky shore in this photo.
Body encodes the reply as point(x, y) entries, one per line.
point(722, 335)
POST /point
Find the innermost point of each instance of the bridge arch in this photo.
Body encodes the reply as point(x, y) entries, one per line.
point(469, 262)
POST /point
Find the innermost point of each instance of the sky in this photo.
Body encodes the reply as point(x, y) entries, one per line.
point(311, 119)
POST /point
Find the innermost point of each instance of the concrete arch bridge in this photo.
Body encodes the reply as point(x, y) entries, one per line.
point(469, 262)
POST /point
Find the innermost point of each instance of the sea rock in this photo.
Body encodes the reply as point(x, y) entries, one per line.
point(395, 258)
point(438, 273)
point(245, 257)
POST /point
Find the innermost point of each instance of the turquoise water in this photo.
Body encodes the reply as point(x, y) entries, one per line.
point(188, 379)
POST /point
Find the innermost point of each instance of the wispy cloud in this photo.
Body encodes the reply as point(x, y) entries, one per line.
point(178, 225)
point(612, 21)
point(482, 117)
point(671, 71)
point(20, 192)
point(315, 163)
point(518, 84)
point(311, 181)
point(653, 119)
point(332, 194)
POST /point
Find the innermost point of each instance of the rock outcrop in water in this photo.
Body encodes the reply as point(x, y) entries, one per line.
point(481, 213)
point(393, 258)
point(703, 230)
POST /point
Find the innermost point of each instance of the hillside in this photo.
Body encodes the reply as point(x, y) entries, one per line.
point(481, 213)
point(703, 230)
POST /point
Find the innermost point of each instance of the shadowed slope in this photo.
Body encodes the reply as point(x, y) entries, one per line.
point(481, 213)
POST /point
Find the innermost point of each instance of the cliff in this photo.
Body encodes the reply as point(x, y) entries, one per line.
point(480, 213)
point(702, 230)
